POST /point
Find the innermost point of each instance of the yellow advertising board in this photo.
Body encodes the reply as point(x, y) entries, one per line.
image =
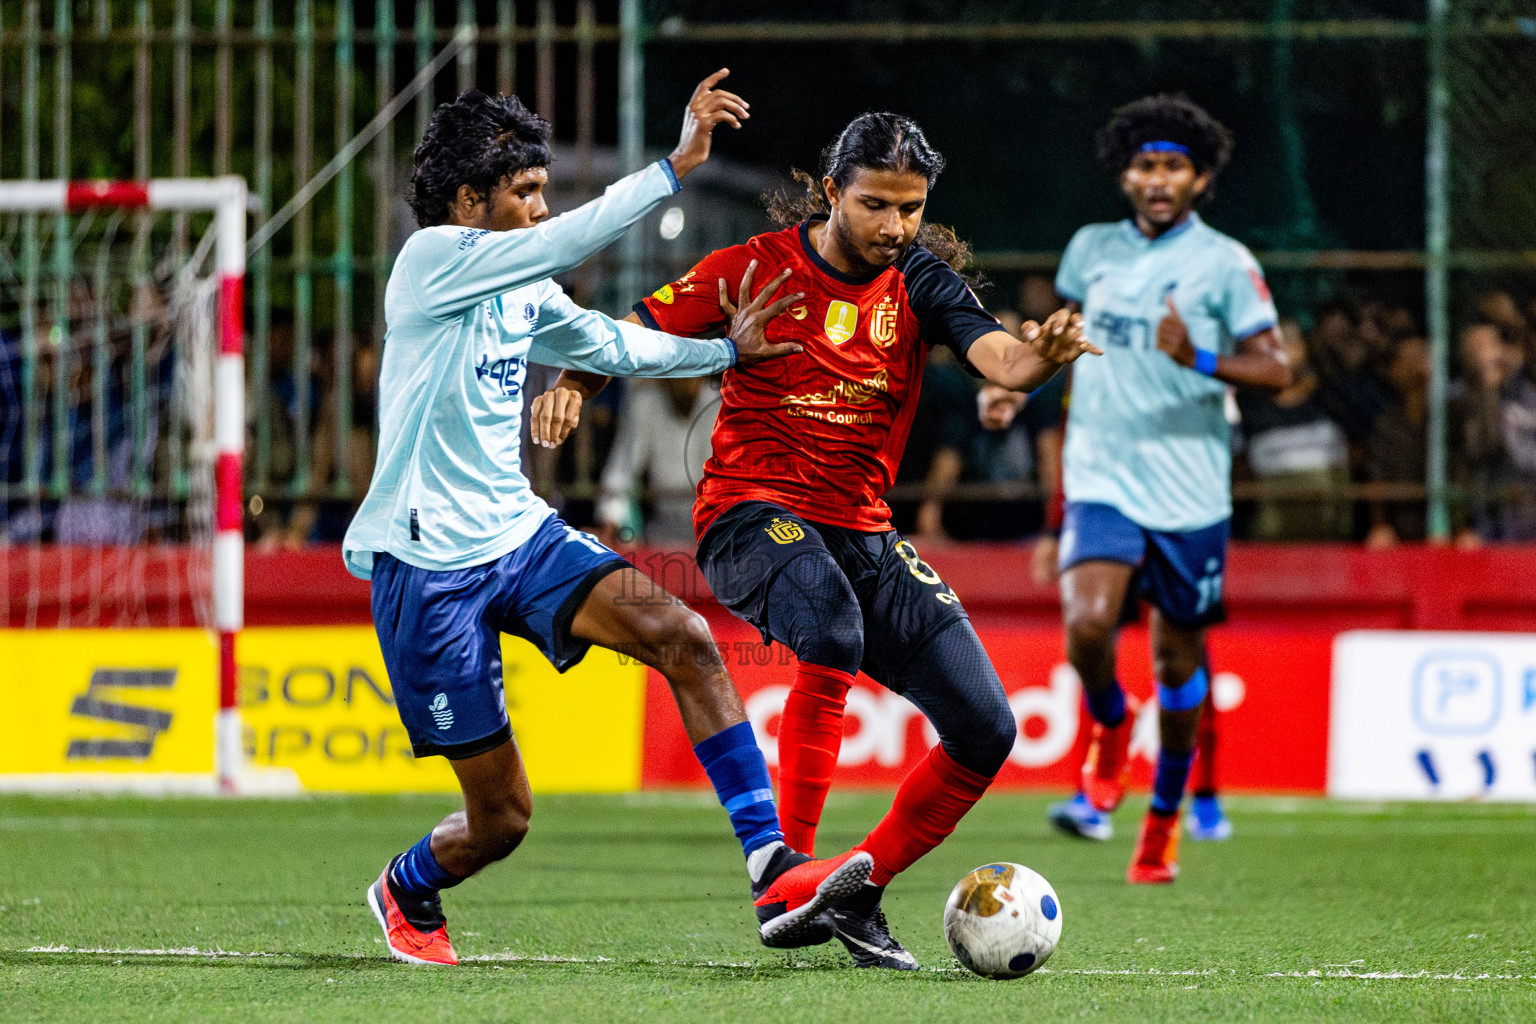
point(117, 701)
point(315, 701)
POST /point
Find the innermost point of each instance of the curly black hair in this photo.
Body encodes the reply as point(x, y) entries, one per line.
point(477, 140)
point(1164, 118)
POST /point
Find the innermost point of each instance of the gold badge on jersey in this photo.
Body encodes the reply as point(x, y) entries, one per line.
point(882, 328)
point(663, 294)
point(784, 531)
point(842, 320)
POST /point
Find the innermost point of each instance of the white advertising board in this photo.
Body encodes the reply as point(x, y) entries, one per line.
point(1433, 716)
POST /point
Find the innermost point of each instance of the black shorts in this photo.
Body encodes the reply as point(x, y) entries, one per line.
point(903, 601)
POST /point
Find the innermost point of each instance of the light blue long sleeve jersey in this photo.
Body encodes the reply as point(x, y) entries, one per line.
point(1144, 434)
point(465, 312)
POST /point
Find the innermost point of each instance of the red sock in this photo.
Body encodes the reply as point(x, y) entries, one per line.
point(930, 803)
point(810, 735)
point(1205, 750)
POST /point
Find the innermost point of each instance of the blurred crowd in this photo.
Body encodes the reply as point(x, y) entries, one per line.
point(1339, 455)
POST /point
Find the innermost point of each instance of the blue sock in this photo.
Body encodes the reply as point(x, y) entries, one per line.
point(418, 872)
point(740, 776)
point(1107, 706)
point(1168, 783)
point(1173, 769)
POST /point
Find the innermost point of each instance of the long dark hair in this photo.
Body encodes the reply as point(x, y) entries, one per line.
point(880, 142)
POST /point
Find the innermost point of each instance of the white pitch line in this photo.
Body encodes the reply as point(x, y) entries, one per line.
point(1343, 974)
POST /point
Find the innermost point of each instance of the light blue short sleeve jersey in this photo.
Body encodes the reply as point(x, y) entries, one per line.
point(465, 311)
point(1144, 434)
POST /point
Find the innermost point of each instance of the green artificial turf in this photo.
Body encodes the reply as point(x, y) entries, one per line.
point(634, 908)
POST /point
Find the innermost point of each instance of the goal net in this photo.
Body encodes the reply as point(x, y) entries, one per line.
point(122, 411)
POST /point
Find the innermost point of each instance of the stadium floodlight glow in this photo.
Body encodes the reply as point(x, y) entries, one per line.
point(225, 199)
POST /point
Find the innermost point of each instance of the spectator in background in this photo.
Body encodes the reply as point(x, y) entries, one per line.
point(941, 433)
point(1293, 447)
point(662, 440)
point(1025, 447)
point(1350, 391)
point(1037, 299)
point(1397, 447)
point(1495, 406)
point(1499, 309)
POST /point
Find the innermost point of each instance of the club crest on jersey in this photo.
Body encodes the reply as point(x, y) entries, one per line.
point(784, 531)
point(842, 320)
point(882, 328)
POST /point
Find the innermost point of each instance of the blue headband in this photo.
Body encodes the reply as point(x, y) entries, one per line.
point(1162, 146)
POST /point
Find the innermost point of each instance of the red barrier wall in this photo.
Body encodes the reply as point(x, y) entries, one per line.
point(1328, 587)
point(1272, 660)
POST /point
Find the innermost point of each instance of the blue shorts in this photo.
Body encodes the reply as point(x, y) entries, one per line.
point(1179, 573)
point(440, 632)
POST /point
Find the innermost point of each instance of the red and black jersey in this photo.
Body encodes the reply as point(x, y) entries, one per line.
point(820, 433)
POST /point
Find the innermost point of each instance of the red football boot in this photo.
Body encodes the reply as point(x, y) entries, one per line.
point(421, 937)
point(1156, 861)
point(795, 890)
point(1108, 762)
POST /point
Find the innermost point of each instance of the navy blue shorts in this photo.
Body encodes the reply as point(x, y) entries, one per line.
point(1179, 573)
point(440, 632)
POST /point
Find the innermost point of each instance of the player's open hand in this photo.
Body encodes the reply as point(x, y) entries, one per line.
point(1060, 340)
point(997, 406)
point(554, 415)
point(749, 319)
point(707, 108)
point(1173, 337)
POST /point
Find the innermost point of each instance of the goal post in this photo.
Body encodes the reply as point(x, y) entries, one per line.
point(217, 403)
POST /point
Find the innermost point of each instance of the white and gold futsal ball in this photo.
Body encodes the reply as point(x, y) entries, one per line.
point(1003, 921)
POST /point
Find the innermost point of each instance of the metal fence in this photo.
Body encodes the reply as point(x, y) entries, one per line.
point(279, 92)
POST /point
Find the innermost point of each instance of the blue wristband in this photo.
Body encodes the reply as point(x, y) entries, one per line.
point(666, 167)
point(1205, 362)
point(735, 353)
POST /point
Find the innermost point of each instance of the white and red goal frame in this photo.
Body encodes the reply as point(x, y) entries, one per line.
point(225, 198)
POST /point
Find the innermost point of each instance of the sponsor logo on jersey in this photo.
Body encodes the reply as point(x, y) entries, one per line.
point(847, 392)
point(663, 294)
point(784, 531)
point(882, 326)
point(506, 375)
point(842, 320)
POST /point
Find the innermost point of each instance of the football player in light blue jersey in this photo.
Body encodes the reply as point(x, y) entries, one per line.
point(460, 550)
point(1182, 313)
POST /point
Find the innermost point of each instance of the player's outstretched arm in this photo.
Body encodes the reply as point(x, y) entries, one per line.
point(1259, 361)
point(557, 412)
point(451, 271)
point(707, 107)
point(1025, 365)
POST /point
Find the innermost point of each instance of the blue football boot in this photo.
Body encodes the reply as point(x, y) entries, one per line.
point(1078, 817)
point(1205, 820)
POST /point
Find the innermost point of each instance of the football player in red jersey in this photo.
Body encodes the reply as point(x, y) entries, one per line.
point(794, 536)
